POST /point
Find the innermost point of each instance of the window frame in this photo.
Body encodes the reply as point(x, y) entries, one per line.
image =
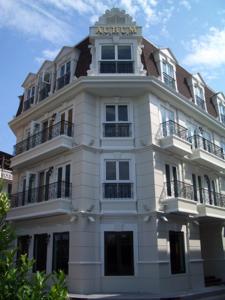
point(117, 180)
point(116, 60)
point(116, 121)
point(198, 87)
point(116, 52)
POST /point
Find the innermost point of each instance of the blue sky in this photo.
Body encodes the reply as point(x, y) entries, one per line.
point(31, 31)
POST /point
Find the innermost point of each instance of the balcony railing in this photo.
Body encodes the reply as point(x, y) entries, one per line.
point(61, 128)
point(168, 80)
point(198, 141)
point(172, 128)
point(179, 189)
point(112, 67)
point(63, 80)
point(118, 190)
point(43, 93)
point(117, 129)
point(200, 102)
point(51, 191)
point(27, 103)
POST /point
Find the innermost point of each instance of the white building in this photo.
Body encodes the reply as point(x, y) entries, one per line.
point(119, 167)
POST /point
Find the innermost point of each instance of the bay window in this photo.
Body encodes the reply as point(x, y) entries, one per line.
point(116, 59)
point(117, 179)
point(117, 121)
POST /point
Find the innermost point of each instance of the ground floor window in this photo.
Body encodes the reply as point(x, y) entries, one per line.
point(60, 251)
point(23, 242)
point(177, 252)
point(40, 252)
point(119, 254)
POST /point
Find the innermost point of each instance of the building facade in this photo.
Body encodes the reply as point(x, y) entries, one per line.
point(119, 166)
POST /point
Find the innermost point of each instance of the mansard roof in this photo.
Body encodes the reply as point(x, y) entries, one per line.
point(149, 63)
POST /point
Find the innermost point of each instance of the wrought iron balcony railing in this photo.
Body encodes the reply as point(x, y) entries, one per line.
point(172, 128)
point(198, 141)
point(63, 80)
point(112, 67)
point(27, 103)
point(179, 189)
point(117, 130)
point(60, 128)
point(200, 102)
point(118, 190)
point(43, 93)
point(56, 190)
point(169, 81)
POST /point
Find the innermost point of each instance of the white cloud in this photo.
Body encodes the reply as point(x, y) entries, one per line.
point(51, 19)
point(32, 20)
point(186, 4)
point(47, 54)
point(208, 50)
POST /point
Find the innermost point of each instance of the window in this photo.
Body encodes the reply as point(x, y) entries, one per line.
point(177, 252)
point(45, 85)
point(222, 113)
point(117, 179)
point(168, 74)
point(40, 252)
point(168, 124)
point(29, 98)
point(64, 75)
point(23, 242)
point(116, 121)
point(116, 59)
point(171, 180)
point(119, 256)
point(199, 97)
point(60, 252)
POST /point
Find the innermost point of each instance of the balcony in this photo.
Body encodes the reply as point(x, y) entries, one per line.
point(63, 80)
point(27, 103)
point(117, 130)
point(169, 81)
point(200, 102)
point(118, 190)
point(207, 153)
point(46, 200)
point(44, 92)
point(212, 204)
point(179, 198)
point(50, 141)
point(174, 138)
point(112, 67)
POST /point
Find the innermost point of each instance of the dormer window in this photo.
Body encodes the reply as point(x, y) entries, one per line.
point(169, 74)
point(29, 97)
point(199, 97)
point(45, 85)
point(64, 75)
point(222, 113)
point(116, 59)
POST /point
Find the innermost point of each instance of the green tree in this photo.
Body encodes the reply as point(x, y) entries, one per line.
point(16, 280)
